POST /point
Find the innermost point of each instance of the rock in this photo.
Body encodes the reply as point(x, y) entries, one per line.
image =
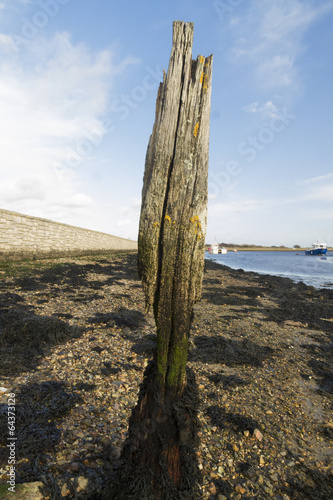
point(74, 467)
point(261, 461)
point(65, 491)
point(240, 489)
point(105, 441)
point(246, 433)
point(274, 477)
point(26, 491)
point(212, 488)
point(82, 483)
point(257, 434)
point(86, 422)
point(235, 447)
point(221, 497)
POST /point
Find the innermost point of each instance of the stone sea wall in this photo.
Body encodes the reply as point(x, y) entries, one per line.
point(23, 236)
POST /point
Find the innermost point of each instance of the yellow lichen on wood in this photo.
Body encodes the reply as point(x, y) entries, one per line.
point(202, 59)
point(167, 217)
point(203, 81)
point(196, 130)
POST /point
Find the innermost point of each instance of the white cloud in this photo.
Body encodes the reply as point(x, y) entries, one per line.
point(53, 94)
point(268, 109)
point(316, 179)
point(271, 39)
point(251, 108)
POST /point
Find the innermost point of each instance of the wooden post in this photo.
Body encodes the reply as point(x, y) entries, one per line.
point(174, 205)
point(159, 457)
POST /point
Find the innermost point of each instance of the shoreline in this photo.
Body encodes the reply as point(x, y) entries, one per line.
point(260, 348)
point(300, 279)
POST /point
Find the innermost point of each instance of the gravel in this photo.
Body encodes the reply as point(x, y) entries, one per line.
point(74, 344)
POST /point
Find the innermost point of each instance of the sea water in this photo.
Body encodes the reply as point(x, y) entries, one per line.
point(312, 270)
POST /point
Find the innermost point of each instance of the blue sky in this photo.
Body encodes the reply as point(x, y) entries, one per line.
point(78, 85)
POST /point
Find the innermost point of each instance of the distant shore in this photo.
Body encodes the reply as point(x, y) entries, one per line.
point(249, 248)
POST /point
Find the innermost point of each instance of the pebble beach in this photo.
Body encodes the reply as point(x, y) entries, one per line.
point(75, 341)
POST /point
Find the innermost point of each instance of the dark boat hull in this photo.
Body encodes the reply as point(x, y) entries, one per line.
point(316, 251)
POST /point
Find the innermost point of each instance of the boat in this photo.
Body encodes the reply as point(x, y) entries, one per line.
point(216, 249)
point(317, 249)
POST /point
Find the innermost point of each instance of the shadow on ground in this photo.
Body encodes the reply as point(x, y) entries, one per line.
point(40, 409)
point(73, 276)
point(229, 352)
point(233, 421)
point(25, 336)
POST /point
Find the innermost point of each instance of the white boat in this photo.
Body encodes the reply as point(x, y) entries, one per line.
point(214, 248)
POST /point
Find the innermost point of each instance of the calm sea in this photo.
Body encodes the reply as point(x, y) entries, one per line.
point(316, 271)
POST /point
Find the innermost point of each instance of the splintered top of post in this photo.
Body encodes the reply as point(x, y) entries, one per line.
point(182, 36)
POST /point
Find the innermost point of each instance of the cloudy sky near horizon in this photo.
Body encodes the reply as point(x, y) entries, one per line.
point(78, 85)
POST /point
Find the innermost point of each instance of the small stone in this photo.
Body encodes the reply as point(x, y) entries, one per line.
point(82, 483)
point(239, 489)
point(212, 488)
point(230, 462)
point(65, 491)
point(105, 441)
point(74, 467)
point(62, 461)
point(257, 434)
point(261, 461)
point(260, 480)
point(220, 470)
point(246, 433)
point(86, 422)
point(221, 497)
point(274, 477)
point(235, 447)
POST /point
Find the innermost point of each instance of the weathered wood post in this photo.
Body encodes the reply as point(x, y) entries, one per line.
point(159, 458)
point(174, 205)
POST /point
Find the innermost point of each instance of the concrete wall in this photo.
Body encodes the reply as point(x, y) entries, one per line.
point(23, 236)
